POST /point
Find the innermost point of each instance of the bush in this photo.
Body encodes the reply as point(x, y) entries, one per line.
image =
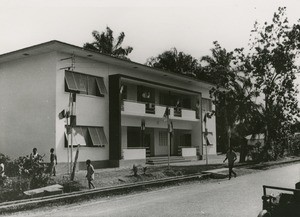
point(4, 159)
point(70, 186)
point(294, 146)
point(23, 167)
point(135, 170)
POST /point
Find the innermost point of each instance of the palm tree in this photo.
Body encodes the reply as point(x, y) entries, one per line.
point(105, 43)
point(218, 67)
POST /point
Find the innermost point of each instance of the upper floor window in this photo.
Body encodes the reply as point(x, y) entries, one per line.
point(145, 94)
point(206, 105)
point(84, 84)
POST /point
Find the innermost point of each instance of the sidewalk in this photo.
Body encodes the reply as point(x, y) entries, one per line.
point(116, 180)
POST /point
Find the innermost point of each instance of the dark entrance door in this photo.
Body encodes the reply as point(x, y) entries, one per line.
point(149, 142)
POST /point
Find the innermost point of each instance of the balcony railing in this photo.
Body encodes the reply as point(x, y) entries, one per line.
point(157, 111)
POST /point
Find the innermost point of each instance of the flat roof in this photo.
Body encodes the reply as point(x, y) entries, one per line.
point(55, 45)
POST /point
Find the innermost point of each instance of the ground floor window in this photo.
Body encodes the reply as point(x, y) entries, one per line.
point(133, 137)
point(186, 140)
point(86, 136)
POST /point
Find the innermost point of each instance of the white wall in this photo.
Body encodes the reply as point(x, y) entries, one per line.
point(134, 154)
point(27, 111)
point(90, 110)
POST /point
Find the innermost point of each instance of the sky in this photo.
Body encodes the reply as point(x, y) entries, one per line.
point(151, 26)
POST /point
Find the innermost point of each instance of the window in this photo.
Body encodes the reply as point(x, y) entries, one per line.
point(97, 136)
point(186, 140)
point(133, 137)
point(88, 136)
point(206, 105)
point(146, 94)
point(84, 84)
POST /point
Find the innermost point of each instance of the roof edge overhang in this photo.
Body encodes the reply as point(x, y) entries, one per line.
point(54, 45)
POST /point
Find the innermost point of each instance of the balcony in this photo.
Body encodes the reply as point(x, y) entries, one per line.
point(134, 108)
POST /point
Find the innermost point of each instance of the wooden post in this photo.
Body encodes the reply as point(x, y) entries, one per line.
point(75, 162)
point(169, 141)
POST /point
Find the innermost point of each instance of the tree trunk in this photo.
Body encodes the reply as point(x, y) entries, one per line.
point(243, 152)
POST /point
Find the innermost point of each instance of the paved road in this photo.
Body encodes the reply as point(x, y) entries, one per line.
point(239, 196)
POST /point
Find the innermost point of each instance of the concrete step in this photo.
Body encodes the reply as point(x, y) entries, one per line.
point(164, 160)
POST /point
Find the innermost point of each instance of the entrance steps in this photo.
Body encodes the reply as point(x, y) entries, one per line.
point(164, 160)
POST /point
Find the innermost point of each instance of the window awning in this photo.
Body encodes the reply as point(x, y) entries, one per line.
point(86, 84)
point(70, 80)
point(81, 82)
point(97, 135)
point(101, 85)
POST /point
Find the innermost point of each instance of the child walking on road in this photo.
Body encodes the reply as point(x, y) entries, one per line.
point(231, 157)
point(90, 173)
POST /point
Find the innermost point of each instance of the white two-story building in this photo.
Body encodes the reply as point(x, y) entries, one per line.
point(119, 108)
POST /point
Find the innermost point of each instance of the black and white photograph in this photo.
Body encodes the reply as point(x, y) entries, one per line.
point(150, 108)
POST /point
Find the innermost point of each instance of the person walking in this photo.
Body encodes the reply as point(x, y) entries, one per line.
point(90, 175)
point(53, 162)
point(231, 157)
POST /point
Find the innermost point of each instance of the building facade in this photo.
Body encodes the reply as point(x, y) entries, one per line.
point(116, 108)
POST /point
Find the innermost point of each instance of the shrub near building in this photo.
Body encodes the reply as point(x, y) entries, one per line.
point(22, 174)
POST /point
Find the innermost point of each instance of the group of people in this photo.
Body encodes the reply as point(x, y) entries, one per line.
point(34, 156)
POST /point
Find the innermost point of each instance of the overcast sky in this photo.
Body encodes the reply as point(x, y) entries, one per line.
point(150, 26)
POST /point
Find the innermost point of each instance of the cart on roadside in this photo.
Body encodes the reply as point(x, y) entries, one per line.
point(286, 203)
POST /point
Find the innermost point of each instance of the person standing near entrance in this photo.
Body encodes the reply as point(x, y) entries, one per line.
point(231, 157)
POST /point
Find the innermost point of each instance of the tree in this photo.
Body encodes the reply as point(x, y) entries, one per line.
point(218, 69)
point(175, 61)
point(272, 65)
point(105, 43)
point(235, 106)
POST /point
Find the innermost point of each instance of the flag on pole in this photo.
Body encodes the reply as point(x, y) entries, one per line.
point(143, 125)
point(207, 141)
point(167, 113)
point(121, 89)
point(171, 127)
point(62, 114)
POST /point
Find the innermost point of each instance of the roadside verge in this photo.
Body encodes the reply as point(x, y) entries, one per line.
point(14, 206)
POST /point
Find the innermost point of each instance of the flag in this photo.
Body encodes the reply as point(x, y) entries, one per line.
point(207, 141)
point(177, 104)
point(62, 114)
point(171, 127)
point(121, 89)
point(143, 125)
point(167, 113)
